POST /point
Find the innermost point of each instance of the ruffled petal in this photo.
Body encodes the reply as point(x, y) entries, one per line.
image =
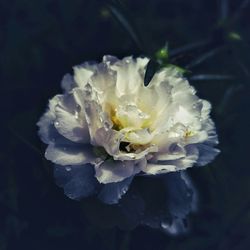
point(82, 74)
point(167, 166)
point(70, 119)
point(68, 83)
point(130, 74)
point(206, 154)
point(111, 193)
point(47, 130)
point(180, 201)
point(155, 168)
point(77, 181)
point(116, 171)
point(69, 154)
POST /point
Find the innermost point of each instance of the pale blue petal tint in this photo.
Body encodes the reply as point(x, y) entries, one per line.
point(111, 193)
point(77, 181)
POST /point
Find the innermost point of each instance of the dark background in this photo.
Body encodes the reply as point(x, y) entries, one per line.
point(41, 40)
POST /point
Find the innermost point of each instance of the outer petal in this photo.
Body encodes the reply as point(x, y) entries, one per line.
point(179, 194)
point(82, 73)
point(77, 181)
point(116, 171)
point(47, 131)
point(130, 75)
point(206, 154)
point(187, 161)
point(155, 168)
point(70, 119)
point(173, 152)
point(93, 112)
point(68, 83)
point(103, 79)
point(180, 201)
point(69, 154)
point(111, 193)
point(192, 154)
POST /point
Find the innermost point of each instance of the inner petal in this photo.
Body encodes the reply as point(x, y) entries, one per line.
point(130, 116)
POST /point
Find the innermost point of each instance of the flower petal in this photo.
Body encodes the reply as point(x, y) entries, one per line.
point(155, 168)
point(161, 167)
point(180, 195)
point(47, 131)
point(116, 171)
point(111, 193)
point(82, 73)
point(77, 181)
point(130, 75)
point(206, 154)
point(173, 152)
point(68, 83)
point(70, 119)
point(69, 154)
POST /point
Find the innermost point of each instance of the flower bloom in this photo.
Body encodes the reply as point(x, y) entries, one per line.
point(107, 126)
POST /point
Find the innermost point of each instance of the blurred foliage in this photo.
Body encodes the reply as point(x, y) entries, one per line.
point(41, 40)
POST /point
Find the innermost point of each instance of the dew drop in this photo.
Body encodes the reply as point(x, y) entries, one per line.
point(76, 114)
point(68, 169)
point(165, 225)
point(56, 124)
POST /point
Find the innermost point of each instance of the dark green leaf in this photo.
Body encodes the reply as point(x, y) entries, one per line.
point(152, 67)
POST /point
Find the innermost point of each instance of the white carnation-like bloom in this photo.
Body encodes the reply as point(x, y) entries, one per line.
point(107, 118)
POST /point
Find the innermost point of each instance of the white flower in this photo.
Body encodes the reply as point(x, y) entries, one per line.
point(107, 118)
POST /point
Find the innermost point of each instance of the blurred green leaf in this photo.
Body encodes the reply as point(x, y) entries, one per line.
point(211, 77)
point(118, 11)
point(234, 36)
point(162, 55)
point(204, 57)
point(152, 67)
point(189, 47)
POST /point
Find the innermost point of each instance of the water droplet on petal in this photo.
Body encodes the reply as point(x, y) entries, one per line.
point(76, 114)
point(165, 225)
point(56, 124)
point(68, 169)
